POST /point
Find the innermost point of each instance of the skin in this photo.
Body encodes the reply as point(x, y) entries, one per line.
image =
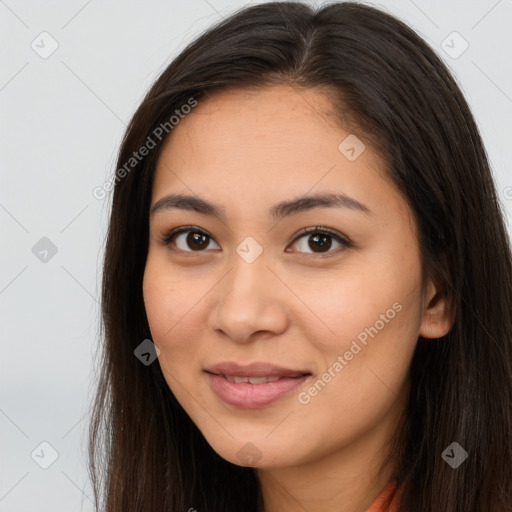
point(246, 150)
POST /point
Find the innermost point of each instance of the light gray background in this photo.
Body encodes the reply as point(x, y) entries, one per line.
point(62, 119)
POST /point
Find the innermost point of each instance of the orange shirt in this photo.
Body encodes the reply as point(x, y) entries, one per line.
point(389, 497)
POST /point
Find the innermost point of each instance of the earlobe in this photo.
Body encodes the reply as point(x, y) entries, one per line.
point(438, 313)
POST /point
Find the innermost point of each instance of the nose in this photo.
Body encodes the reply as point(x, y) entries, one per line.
point(249, 302)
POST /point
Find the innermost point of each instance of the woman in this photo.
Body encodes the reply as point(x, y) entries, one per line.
point(306, 233)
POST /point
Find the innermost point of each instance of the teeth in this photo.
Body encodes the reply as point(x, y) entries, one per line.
point(262, 380)
point(251, 380)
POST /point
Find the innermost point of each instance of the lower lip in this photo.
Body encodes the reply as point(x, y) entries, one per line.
point(251, 396)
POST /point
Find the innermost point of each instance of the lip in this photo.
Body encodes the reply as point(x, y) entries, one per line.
point(250, 396)
point(254, 370)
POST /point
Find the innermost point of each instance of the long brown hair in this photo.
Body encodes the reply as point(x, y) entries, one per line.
point(145, 452)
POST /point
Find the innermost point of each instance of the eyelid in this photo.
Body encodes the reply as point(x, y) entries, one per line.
point(341, 239)
point(321, 229)
point(166, 239)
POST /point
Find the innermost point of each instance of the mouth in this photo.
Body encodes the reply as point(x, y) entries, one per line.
point(255, 385)
point(256, 380)
point(231, 370)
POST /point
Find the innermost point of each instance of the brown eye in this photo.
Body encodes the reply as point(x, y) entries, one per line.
point(320, 241)
point(313, 241)
point(188, 240)
point(196, 241)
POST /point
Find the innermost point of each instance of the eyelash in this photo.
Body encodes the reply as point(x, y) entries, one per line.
point(170, 235)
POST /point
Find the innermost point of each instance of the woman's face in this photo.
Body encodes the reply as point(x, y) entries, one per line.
point(340, 311)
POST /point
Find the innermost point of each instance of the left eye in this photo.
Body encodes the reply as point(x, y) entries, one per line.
point(319, 240)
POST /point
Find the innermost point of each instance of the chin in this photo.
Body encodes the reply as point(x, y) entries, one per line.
point(255, 454)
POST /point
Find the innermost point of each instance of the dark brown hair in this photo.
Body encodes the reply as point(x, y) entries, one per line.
point(145, 452)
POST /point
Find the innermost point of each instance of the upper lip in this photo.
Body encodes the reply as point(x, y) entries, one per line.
point(254, 370)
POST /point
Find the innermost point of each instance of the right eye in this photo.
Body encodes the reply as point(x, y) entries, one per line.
point(191, 238)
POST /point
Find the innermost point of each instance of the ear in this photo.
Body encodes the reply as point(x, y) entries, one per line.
point(438, 312)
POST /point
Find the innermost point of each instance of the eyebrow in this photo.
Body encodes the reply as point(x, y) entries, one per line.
point(277, 212)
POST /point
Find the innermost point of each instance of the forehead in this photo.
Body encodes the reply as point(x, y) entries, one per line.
point(270, 118)
point(252, 144)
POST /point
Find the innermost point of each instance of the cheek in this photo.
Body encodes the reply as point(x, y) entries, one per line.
point(370, 310)
point(342, 306)
point(363, 368)
point(174, 307)
point(166, 307)
point(167, 302)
